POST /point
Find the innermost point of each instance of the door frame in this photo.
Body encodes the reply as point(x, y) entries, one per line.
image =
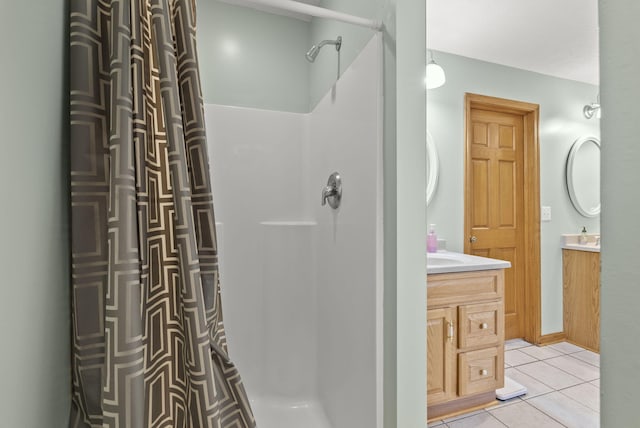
point(530, 115)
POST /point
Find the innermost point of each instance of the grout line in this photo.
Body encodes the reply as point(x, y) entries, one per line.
point(542, 411)
point(539, 410)
point(558, 368)
point(575, 375)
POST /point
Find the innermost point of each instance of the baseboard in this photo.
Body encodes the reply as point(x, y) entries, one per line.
point(550, 339)
point(459, 406)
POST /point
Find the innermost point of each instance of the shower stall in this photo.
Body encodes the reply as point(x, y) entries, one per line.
point(301, 281)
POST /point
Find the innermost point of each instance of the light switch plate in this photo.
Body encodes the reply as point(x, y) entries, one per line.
point(546, 214)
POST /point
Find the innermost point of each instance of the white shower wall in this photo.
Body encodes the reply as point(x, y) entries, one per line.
point(302, 283)
point(256, 159)
point(345, 137)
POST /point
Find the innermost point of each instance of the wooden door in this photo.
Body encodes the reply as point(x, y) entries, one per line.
point(441, 349)
point(495, 202)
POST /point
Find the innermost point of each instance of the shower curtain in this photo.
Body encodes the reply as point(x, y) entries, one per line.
point(148, 342)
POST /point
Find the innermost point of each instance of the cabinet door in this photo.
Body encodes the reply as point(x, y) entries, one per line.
point(581, 285)
point(441, 355)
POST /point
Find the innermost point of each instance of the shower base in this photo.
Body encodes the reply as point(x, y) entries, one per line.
point(282, 413)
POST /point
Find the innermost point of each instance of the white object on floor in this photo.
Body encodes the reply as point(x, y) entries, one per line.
point(512, 389)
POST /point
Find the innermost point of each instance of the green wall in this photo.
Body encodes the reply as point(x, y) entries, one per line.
point(253, 59)
point(410, 182)
point(620, 287)
point(34, 309)
point(561, 123)
point(250, 58)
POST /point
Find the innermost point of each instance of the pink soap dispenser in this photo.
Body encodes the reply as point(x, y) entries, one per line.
point(432, 239)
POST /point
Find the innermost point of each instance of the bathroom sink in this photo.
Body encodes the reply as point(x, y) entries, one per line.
point(447, 261)
point(439, 259)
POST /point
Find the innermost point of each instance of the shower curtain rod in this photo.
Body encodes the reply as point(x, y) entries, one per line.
point(318, 12)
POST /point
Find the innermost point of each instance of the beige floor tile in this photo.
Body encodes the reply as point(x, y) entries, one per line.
point(566, 348)
point(436, 424)
point(515, 344)
point(523, 415)
point(516, 357)
point(586, 394)
point(576, 367)
point(588, 357)
point(504, 403)
point(566, 410)
point(464, 415)
point(542, 352)
point(534, 386)
point(595, 383)
point(549, 375)
point(480, 420)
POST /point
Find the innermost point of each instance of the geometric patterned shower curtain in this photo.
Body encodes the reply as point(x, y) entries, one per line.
point(148, 342)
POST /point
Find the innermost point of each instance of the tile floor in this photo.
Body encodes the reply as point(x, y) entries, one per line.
point(563, 383)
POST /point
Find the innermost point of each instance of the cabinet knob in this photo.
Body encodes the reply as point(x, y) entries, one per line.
point(484, 326)
point(473, 239)
point(484, 372)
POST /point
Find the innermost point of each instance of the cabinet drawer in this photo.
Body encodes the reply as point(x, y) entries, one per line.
point(480, 325)
point(480, 371)
point(456, 288)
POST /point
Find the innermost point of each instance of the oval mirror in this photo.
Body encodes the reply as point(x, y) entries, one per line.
point(432, 168)
point(583, 176)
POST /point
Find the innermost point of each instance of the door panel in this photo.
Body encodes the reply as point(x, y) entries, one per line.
point(508, 198)
point(495, 216)
point(481, 201)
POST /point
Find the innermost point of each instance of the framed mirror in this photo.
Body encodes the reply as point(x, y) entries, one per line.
point(583, 176)
point(432, 168)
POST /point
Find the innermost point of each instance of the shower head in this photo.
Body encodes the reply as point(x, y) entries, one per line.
point(315, 49)
point(313, 53)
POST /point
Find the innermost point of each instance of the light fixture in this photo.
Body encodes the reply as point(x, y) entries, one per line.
point(593, 109)
point(435, 74)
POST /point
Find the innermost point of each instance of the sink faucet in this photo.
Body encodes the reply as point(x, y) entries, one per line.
point(598, 240)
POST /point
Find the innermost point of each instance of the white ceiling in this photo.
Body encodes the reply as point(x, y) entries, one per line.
point(553, 37)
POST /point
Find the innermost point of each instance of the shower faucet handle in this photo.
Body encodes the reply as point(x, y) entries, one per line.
point(332, 192)
point(326, 193)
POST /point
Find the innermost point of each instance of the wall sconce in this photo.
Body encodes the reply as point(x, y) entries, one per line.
point(592, 109)
point(435, 74)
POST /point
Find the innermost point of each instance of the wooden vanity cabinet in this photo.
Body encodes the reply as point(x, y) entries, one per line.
point(581, 297)
point(465, 340)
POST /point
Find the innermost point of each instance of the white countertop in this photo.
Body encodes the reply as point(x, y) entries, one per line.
point(572, 242)
point(448, 262)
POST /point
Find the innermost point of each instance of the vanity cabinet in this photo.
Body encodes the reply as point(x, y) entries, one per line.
point(465, 340)
point(581, 297)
